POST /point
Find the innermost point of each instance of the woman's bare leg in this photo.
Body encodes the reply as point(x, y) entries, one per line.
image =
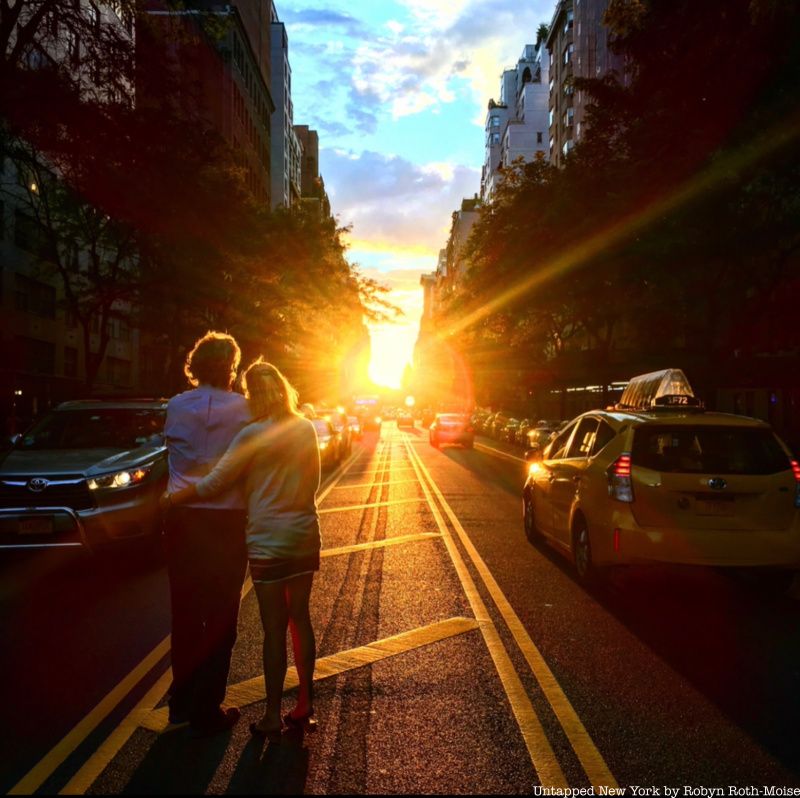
point(298, 593)
point(274, 617)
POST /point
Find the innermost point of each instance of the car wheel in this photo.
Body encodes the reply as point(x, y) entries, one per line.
point(588, 573)
point(529, 519)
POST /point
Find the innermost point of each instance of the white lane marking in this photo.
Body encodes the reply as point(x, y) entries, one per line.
point(350, 507)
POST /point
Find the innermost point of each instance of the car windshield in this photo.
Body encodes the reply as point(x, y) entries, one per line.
point(709, 450)
point(95, 428)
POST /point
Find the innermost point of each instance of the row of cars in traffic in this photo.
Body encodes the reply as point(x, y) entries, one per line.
point(654, 479)
point(88, 473)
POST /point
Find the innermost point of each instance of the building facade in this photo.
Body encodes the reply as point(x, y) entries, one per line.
point(312, 186)
point(231, 76)
point(517, 126)
point(579, 47)
point(287, 154)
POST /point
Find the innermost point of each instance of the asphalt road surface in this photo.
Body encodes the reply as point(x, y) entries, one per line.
point(453, 657)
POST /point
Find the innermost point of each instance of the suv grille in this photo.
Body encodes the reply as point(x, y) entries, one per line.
point(75, 494)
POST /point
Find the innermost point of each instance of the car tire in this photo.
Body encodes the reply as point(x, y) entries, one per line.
point(588, 573)
point(532, 532)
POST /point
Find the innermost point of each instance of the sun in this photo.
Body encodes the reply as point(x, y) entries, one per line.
point(392, 349)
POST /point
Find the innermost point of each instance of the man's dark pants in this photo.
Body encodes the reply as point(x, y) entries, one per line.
point(206, 562)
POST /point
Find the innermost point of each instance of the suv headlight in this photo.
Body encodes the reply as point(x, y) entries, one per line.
point(120, 479)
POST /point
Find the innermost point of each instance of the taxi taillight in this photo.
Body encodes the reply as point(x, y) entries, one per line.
point(620, 484)
point(796, 472)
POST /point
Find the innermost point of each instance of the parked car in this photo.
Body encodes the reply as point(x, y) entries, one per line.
point(330, 452)
point(451, 428)
point(87, 474)
point(509, 432)
point(499, 423)
point(486, 422)
point(658, 480)
point(521, 435)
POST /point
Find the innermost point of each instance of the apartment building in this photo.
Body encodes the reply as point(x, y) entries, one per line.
point(517, 126)
point(228, 76)
point(561, 116)
point(578, 44)
point(287, 152)
point(312, 185)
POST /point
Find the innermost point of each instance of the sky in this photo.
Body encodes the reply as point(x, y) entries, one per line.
point(397, 90)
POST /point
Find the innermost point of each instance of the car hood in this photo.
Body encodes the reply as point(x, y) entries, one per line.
point(88, 462)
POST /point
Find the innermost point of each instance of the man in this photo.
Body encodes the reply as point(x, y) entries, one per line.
point(205, 543)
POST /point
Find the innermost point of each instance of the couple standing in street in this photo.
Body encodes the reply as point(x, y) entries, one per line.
point(243, 477)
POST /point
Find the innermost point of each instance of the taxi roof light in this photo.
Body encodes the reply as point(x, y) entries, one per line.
point(666, 388)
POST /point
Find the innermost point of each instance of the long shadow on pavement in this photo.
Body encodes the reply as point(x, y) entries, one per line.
point(271, 770)
point(178, 764)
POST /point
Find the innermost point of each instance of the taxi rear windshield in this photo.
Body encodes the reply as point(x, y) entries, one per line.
point(708, 450)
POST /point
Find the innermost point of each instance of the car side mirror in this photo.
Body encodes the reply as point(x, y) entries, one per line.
point(13, 439)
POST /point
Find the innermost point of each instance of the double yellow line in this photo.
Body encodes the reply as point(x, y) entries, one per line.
point(541, 752)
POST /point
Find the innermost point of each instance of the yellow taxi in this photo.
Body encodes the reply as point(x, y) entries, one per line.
point(656, 479)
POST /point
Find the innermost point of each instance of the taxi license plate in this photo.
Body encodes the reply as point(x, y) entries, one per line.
point(714, 507)
point(36, 526)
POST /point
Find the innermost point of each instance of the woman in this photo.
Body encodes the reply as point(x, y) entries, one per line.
point(278, 457)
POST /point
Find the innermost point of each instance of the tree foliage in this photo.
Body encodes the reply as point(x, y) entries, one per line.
point(144, 209)
point(671, 232)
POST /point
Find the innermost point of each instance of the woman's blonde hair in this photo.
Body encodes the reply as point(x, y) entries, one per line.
point(268, 391)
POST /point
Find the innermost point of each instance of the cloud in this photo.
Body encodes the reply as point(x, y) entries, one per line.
point(324, 18)
point(413, 68)
point(394, 205)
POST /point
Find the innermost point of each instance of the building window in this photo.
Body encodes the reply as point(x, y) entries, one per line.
point(568, 52)
point(28, 233)
point(569, 22)
point(495, 121)
point(551, 116)
point(31, 296)
point(70, 361)
point(539, 137)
